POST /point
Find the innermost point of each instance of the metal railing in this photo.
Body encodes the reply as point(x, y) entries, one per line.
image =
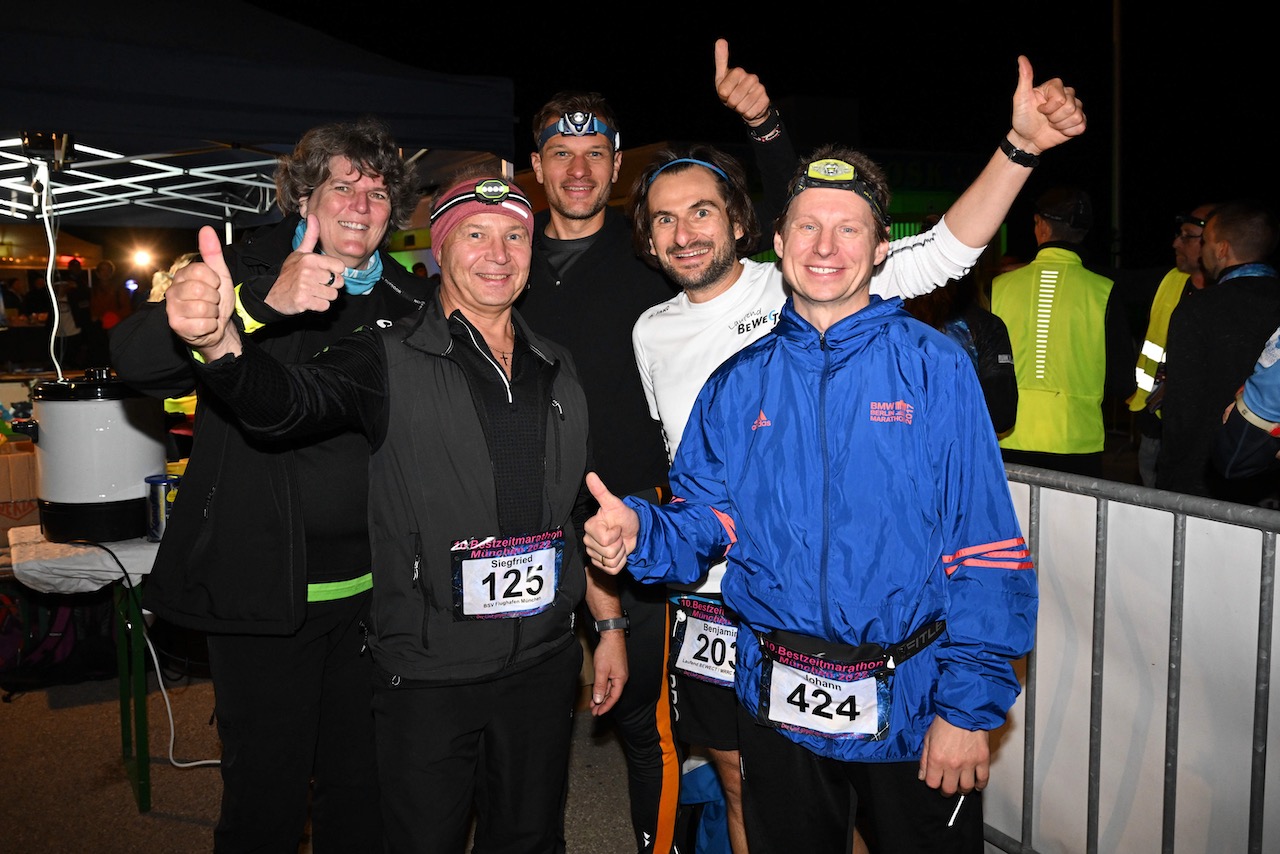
point(1182, 507)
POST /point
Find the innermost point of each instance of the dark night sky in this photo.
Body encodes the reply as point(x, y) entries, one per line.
point(926, 84)
point(929, 78)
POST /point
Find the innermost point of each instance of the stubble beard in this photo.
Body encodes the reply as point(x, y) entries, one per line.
point(722, 262)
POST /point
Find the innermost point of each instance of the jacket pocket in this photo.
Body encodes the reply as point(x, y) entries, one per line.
point(419, 584)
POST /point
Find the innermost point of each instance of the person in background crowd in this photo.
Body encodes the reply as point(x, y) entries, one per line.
point(478, 431)
point(1248, 442)
point(824, 420)
point(420, 269)
point(13, 291)
point(72, 333)
point(962, 311)
point(267, 549)
point(1071, 343)
point(1187, 275)
point(1215, 336)
point(109, 303)
point(586, 289)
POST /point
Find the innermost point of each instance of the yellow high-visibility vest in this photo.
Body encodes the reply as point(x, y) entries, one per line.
point(1152, 352)
point(1056, 311)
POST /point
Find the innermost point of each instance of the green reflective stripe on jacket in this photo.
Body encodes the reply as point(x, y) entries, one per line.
point(330, 590)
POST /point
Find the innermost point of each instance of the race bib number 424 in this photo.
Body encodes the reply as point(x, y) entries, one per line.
point(811, 693)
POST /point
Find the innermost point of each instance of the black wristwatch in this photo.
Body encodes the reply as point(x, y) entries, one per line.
point(1017, 155)
point(614, 624)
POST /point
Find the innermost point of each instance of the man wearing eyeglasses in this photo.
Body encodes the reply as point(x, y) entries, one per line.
point(1215, 336)
point(876, 567)
point(1187, 275)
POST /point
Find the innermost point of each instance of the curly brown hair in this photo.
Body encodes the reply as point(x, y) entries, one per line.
point(368, 144)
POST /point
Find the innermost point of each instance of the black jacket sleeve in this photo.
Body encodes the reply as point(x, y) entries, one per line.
point(995, 367)
point(1242, 449)
point(775, 160)
point(1121, 357)
point(148, 357)
point(343, 386)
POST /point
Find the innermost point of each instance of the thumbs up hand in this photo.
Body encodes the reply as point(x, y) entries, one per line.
point(611, 533)
point(201, 300)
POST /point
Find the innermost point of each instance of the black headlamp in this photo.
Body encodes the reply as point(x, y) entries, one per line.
point(834, 174)
point(579, 123)
point(491, 191)
point(1188, 219)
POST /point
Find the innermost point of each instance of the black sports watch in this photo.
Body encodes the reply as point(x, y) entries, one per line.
point(1017, 155)
point(614, 624)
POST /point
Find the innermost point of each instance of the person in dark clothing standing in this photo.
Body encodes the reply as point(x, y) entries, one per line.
point(586, 289)
point(1071, 342)
point(1215, 335)
point(477, 428)
point(267, 549)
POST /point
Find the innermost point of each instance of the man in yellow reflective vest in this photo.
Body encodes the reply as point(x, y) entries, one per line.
point(1187, 275)
point(1070, 345)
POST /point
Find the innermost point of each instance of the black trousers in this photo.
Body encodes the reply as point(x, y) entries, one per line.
point(291, 709)
point(795, 800)
point(643, 719)
point(498, 750)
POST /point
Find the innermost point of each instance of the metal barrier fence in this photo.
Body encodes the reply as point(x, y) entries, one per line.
point(1158, 608)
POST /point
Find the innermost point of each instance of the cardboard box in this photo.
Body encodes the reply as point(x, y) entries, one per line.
point(17, 514)
point(17, 471)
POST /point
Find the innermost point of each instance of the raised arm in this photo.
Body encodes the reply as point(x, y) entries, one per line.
point(1044, 117)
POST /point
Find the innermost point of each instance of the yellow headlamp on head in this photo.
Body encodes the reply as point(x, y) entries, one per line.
point(835, 174)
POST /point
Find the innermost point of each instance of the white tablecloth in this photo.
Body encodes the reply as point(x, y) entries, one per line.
point(74, 567)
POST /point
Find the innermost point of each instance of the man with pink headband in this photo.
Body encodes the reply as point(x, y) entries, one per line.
point(478, 433)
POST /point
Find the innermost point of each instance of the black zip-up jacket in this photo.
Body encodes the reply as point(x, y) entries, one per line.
point(254, 520)
point(409, 390)
point(590, 309)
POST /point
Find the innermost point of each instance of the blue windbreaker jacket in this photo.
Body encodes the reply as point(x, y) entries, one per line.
point(855, 485)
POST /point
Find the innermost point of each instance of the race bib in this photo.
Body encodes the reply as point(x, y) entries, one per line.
point(704, 641)
point(503, 577)
point(809, 693)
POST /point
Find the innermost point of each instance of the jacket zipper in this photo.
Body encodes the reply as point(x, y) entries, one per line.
point(826, 484)
point(415, 581)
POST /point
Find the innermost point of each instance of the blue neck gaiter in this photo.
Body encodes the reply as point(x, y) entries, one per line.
point(356, 281)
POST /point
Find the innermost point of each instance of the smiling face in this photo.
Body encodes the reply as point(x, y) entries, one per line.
point(691, 234)
point(829, 246)
point(354, 211)
point(577, 174)
point(484, 265)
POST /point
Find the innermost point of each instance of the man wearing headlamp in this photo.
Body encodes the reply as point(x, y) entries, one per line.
point(478, 431)
point(874, 656)
point(586, 289)
point(692, 217)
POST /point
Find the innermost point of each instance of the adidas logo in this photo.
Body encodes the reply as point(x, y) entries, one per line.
point(761, 421)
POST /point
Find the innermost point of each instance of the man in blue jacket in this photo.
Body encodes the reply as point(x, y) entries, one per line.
point(875, 562)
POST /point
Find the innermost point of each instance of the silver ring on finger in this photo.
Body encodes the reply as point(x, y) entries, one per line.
point(332, 279)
